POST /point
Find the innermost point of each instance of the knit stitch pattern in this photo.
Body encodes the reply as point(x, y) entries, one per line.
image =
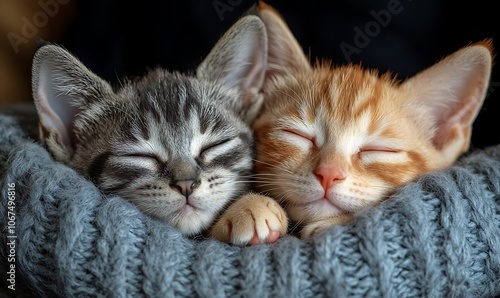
point(436, 237)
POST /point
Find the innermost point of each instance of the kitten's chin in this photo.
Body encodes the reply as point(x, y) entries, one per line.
point(320, 208)
point(328, 206)
point(191, 221)
point(188, 210)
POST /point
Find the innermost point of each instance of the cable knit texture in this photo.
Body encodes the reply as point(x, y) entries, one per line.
point(437, 237)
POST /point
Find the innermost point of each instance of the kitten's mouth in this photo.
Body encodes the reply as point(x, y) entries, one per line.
point(188, 208)
point(325, 203)
point(192, 208)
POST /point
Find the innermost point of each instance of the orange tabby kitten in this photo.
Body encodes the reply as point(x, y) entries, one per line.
point(331, 140)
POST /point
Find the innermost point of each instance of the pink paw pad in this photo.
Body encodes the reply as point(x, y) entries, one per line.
point(273, 236)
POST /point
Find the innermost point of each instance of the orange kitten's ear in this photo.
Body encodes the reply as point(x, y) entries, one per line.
point(285, 55)
point(452, 92)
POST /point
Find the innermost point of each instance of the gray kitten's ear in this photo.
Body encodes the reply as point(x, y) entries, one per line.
point(62, 86)
point(238, 61)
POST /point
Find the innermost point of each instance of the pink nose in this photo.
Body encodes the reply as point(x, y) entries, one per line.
point(329, 176)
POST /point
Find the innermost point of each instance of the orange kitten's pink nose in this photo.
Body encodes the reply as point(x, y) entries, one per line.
point(328, 176)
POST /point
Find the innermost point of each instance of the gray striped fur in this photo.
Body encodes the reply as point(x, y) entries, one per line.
point(162, 140)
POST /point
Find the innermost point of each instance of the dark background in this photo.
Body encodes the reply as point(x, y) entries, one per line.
point(117, 38)
point(123, 38)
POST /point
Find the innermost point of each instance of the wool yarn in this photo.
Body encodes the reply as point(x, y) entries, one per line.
point(436, 237)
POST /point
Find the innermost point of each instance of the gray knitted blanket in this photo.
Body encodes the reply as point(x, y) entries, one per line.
point(438, 237)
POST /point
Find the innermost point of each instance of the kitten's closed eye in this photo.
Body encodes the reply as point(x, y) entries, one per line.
point(214, 145)
point(151, 156)
point(216, 149)
point(380, 153)
point(299, 137)
point(378, 149)
point(144, 160)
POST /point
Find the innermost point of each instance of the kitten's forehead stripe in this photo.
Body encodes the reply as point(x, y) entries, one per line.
point(130, 132)
point(170, 101)
point(144, 128)
point(368, 100)
point(204, 124)
point(147, 107)
point(188, 105)
point(340, 96)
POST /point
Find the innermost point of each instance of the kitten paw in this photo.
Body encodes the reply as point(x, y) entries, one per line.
point(252, 219)
point(316, 227)
point(273, 237)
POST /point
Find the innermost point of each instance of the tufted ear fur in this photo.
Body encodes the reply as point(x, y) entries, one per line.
point(239, 61)
point(61, 86)
point(285, 53)
point(450, 93)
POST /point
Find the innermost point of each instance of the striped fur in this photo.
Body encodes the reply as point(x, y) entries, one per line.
point(333, 140)
point(167, 129)
point(175, 145)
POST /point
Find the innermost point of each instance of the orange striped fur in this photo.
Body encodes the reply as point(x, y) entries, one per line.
point(332, 140)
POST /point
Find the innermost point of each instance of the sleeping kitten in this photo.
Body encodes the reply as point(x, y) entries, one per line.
point(178, 146)
point(331, 141)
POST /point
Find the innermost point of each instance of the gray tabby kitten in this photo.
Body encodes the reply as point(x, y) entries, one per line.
point(178, 146)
